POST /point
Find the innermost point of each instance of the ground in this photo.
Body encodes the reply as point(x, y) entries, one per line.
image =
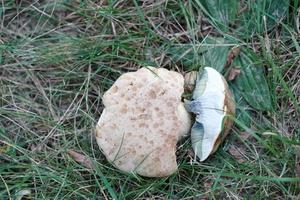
point(57, 58)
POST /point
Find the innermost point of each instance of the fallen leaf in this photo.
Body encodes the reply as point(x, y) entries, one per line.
point(237, 153)
point(234, 51)
point(81, 159)
point(234, 72)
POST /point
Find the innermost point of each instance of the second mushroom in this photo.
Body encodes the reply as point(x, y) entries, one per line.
point(213, 104)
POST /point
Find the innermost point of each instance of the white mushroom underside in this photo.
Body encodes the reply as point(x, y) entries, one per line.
point(212, 103)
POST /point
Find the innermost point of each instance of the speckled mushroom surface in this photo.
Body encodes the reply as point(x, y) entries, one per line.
point(142, 121)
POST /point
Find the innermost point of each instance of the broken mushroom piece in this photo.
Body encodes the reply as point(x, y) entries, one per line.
point(142, 121)
point(212, 103)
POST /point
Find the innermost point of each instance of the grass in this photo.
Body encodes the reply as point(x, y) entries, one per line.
point(58, 57)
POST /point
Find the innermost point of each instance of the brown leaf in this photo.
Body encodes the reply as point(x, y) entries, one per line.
point(234, 72)
point(81, 159)
point(231, 55)
point(237, 153)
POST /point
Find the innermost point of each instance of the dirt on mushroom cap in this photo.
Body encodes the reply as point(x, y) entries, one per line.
point(142, 122)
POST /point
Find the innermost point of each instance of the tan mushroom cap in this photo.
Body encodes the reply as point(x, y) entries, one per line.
point(142, 121)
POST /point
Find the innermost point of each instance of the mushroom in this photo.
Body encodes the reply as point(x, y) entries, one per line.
point(142, 121)
point(212, 102)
